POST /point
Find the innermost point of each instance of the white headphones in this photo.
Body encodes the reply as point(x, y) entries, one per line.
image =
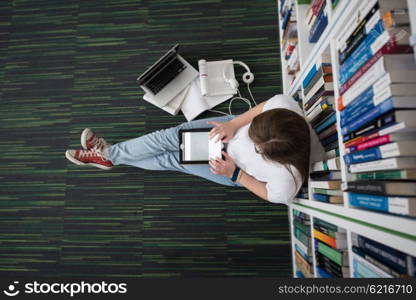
point(248, 77)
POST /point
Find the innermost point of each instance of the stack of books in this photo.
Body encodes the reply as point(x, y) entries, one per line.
point(378, 109)
point(316, 19)
point(289, 39)
point(302, 244)
point(331, 251)
point(325, 181)
point(319, 109)
point(372, 259)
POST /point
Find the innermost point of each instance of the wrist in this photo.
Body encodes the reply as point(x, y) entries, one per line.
point(235, 174)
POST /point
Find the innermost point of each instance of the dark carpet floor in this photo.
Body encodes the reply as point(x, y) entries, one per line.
point(67, 65)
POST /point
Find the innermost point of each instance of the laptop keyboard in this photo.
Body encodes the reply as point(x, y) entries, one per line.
point(165, 76)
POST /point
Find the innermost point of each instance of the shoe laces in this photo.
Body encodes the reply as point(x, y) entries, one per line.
point(98, 143)
point(92, 152)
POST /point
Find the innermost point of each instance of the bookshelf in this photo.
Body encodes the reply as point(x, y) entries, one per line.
point(395, 231)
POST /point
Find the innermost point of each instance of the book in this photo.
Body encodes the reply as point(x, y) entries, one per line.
point(323, 61)
point(382, 125)
point(328, 98)
point(332, 153)
point(393, 163)
point(328, 132)
point(328, 199)
point(330, 139)
point(303, 263)
point(334, 243)
point(386, 175)
point(358, 34)
point(331, 267)
point(361, 12)
point(398, 102)
point(302, 247)
point(368, 270)
point(376, 262)
point(336, 234)
point(329, 184)
point(381, 90)
point(377, 140)
point(331, 146)
point(373, 69)
point(394, 258)
point(302, 237)
point(381, 109)
point(382, 187)
point(324, 72)
point(326, 175)
point(391, 18)
point(305, 228)
point(338, 257)
point(327, 225)
point(373, 42)
point(388, 204)
point(303, 253)
point(317, 97)
point(322, 273)
point(401, 148)
point(332, 164)
point(318, 27)
point(327, 192)
point(320, 84)
point(325, 104)
point(331, 119)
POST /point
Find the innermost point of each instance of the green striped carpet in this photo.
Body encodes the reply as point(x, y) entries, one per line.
point(67, 65)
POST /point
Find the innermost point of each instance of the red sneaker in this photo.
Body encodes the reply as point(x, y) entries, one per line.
point(91, 157)
point(90, 140)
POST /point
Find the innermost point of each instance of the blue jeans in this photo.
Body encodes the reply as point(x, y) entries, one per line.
point(159, 150)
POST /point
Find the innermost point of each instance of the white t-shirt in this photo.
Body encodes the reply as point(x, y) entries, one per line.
point(280, 184)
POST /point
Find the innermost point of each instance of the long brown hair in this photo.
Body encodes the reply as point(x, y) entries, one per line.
point(283, 136)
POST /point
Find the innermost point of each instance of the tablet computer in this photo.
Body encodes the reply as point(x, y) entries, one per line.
point(195, 147)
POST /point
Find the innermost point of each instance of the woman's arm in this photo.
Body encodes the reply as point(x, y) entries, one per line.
point(248, 116)
point(225, 131)
point(253, 185)
point(226, 168)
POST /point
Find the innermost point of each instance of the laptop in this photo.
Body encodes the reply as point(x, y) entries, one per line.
point(167, 77)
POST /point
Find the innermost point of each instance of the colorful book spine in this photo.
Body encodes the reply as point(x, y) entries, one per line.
point(334, 255)
point(358, 35)
point(325, 238)
point(326, 123)
point(367, 79)
point(371, 115)
point(322, 273)
point(384, 164)
point(387, 204)
point(371, 154)
point(318, 27)
point(367, 270)
point(321, 198)
point(304, 255)
point(363, 52)
point(378, 141)
point(396, 174)
point(323, 223)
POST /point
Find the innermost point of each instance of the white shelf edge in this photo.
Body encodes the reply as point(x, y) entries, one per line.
point(341, 12)
point(389, 239)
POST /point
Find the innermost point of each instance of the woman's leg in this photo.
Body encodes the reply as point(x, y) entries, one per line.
point(131, 152)
point(160, 151)
point(169, 161)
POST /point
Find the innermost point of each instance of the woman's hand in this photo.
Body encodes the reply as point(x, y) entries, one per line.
point(223, 131)
point(223, 167)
